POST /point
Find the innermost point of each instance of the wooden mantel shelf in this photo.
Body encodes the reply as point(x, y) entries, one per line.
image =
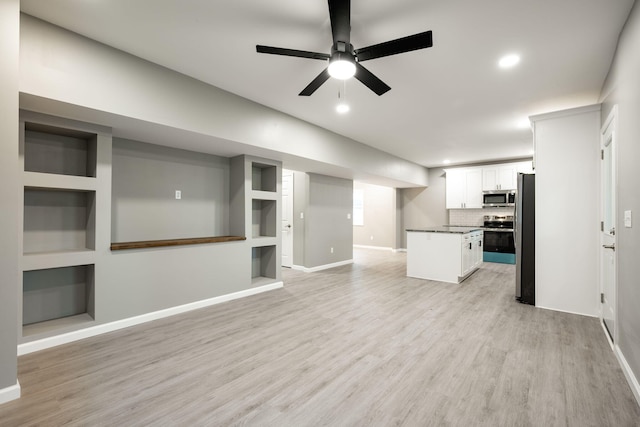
point(174, 242)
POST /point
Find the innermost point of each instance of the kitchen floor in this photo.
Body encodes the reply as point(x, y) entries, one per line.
point(357, 345)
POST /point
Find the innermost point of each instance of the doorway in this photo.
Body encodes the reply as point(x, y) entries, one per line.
point(608, 259)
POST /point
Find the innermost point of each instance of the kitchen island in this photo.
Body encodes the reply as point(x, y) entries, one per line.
point(445, 253)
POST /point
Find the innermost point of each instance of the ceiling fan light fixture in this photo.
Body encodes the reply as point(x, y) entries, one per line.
point(342, 108)
point(342, 66)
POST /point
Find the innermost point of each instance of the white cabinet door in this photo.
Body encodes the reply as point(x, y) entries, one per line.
point(464, 189)
point(477, 248)
point(524, 167)
point(507, 178)
point(499, 178)
point(455, 189)
point(489, 179)
point(473, 181)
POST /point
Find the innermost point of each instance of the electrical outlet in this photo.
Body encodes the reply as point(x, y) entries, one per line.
point(348, 216)
point(178, 194)
point(331, 250)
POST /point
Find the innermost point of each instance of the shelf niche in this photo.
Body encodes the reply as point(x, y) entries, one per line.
point(263, 263)
point(56, 293)
point(263, 177)
point(49, 149)
point(58, 220)
point(263, 218)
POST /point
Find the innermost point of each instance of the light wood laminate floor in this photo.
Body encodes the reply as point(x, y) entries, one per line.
point(358, 345)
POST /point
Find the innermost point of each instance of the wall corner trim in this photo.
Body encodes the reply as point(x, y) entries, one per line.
point(8, 394)
point(49, 342)
point(321, 267)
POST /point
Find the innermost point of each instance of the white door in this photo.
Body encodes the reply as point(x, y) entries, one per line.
point(287, 218)
point(608, 175)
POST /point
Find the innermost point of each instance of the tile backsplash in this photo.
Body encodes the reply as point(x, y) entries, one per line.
point(474, 217)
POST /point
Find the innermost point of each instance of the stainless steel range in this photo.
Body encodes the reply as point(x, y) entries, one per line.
point(498, 239)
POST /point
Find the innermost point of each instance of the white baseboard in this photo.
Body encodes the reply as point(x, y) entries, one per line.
point(321, 267)
point(380, 248)
point(8, 394)
point(565, 311)
point(49, 342)
point(628, 373)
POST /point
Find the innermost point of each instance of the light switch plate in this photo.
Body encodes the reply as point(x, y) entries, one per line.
point(627, 219)
point(178, 194)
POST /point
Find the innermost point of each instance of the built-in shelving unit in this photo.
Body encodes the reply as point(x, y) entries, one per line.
point(256, 188)
point(60, 198)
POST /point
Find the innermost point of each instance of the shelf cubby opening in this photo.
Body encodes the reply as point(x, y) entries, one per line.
point(49, 149)
point(263, 177)
point(263, 218)
point(57, 293)
point(263, 262)
point(58, 220)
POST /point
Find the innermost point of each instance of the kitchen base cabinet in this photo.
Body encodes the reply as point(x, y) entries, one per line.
point(445, 254)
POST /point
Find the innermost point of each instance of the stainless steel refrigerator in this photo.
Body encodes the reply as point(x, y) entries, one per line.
point(524, 229)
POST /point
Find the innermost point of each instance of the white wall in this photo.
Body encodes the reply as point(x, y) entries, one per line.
point(623, 88)
point(567, 149)
point(10, 194)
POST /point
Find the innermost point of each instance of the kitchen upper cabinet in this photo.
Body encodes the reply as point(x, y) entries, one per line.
point(524, 167)
point(501, 177)
point(464, 188)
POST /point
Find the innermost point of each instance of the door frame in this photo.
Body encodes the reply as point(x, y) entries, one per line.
point(609, 128)
point(289, 208)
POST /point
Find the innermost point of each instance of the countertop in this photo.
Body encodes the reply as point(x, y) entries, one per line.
point(454, 229)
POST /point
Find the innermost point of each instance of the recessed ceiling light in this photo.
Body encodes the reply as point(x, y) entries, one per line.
point(509, 61)
point(446, 161)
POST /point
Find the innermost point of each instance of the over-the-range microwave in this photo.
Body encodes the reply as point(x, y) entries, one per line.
point(498, 198)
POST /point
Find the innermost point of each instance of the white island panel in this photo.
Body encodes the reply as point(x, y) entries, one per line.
point(444, 254)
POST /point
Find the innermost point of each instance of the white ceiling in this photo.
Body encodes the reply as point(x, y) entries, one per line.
point(451, 101)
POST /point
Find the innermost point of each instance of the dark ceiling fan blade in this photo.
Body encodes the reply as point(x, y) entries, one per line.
point(404, 44)
point(316, 83)
point(370, 80)
point(340, 16)
point(291, 52)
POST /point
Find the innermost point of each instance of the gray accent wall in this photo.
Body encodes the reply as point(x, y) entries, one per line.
point(144, 180)
point(424, 207)
point(380, 213)
point(10, 192)
point(326, 204)
point(99, 84)
point(622, 87)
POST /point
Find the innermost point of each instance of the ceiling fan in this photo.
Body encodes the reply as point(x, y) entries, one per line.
point(344, 61)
